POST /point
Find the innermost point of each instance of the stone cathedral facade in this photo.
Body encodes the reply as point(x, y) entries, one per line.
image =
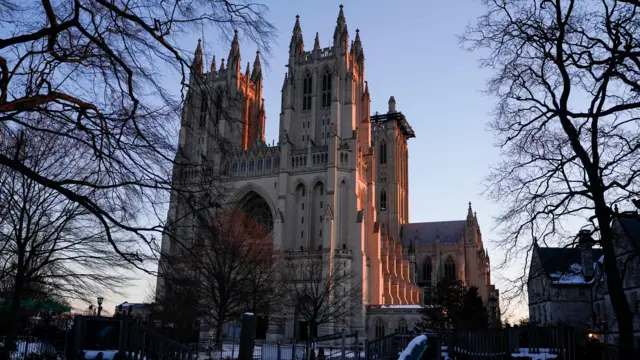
point(336, 182)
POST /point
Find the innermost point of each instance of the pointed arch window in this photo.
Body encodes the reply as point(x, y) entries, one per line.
point(449, 269)
point(218, 105)
point(326, 89)
point(379, 328)
point(383, 153)
point(383, 200)
point(204, 108)
point(402, 326)
point(427, 269)
point(307, 85)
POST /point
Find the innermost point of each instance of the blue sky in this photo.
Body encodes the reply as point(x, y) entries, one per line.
point(412, 53)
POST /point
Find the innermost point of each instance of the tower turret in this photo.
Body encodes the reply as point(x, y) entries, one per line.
point(341, 34)
point(256, 74)
point(233, 61)
point(392, 105)
point(213, 65)
point(316, 42)
point(356, 49)
point(296, 45)
point(197, 65)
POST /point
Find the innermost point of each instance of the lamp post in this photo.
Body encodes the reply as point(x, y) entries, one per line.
point(100, 298)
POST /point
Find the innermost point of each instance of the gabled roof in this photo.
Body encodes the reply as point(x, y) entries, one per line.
point(561, 259)
point(630, 223)
point(450, 232)
point(564, 265)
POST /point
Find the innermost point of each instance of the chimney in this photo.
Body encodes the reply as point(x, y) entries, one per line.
point(585, 244)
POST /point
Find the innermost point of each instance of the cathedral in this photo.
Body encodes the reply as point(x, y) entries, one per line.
point(336, 182)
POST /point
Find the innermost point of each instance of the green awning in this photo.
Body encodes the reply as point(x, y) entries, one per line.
point(32, 304)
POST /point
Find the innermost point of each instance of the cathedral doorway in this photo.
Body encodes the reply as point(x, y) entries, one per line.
point(257, 210)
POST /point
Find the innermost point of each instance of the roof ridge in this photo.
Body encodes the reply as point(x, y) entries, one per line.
point(433, 222)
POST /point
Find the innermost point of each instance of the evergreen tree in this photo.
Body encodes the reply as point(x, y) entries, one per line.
point(453, 306)
point(473, 314)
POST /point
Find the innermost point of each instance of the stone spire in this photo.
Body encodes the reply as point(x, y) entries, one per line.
point(392, 105)
point(316, 42)
point(247, 73)
point(341, 35)
point(233, 61)
point(196, 65)
point(469, 211)
point(213, 65)
point(356, 47)
point(297, 44)
point(257, 67)
point(222, 64)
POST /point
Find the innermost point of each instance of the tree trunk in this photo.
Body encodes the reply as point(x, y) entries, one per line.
point(13, 321)
point(617, 297)
point(218, 339)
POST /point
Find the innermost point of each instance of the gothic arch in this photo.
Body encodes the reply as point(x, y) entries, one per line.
point(427, 268)
point(403, 327)
point(256, 210)
point(241, 194)
point(450, 269)
point(379, 328)
point(318, 179)
point(307, 89)
point(295, 184)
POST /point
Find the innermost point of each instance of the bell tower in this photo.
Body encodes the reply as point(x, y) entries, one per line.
point(391, 131)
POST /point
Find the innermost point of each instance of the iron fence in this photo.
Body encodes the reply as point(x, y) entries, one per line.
point(281, 351)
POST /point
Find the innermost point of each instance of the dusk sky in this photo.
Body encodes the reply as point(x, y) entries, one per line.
point(411, 52)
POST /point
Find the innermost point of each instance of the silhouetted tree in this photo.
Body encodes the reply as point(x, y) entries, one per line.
point(453, 306)
point(97, 72)
point(473, 315)
point(319, 289)
point(229, 262)
point(566, 81)
point(51, 246)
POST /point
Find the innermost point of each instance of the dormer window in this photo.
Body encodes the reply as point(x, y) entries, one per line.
point(326, 89)
point(307, 85)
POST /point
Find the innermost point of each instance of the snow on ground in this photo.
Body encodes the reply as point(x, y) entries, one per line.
point(24, 348)
point(270, 352)
point(542, 355)
point(106, 354)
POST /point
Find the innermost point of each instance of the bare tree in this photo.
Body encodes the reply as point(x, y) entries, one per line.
point(321, 288)
point(566, 82)
point(49, 244)
point(96, 70)
point(232, 265)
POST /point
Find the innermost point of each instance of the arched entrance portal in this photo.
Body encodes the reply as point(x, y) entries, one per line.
point(256, 209)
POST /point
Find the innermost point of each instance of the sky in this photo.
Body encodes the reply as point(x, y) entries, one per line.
point(412, 53)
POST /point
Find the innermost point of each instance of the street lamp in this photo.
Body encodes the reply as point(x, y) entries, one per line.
point(100, 298)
